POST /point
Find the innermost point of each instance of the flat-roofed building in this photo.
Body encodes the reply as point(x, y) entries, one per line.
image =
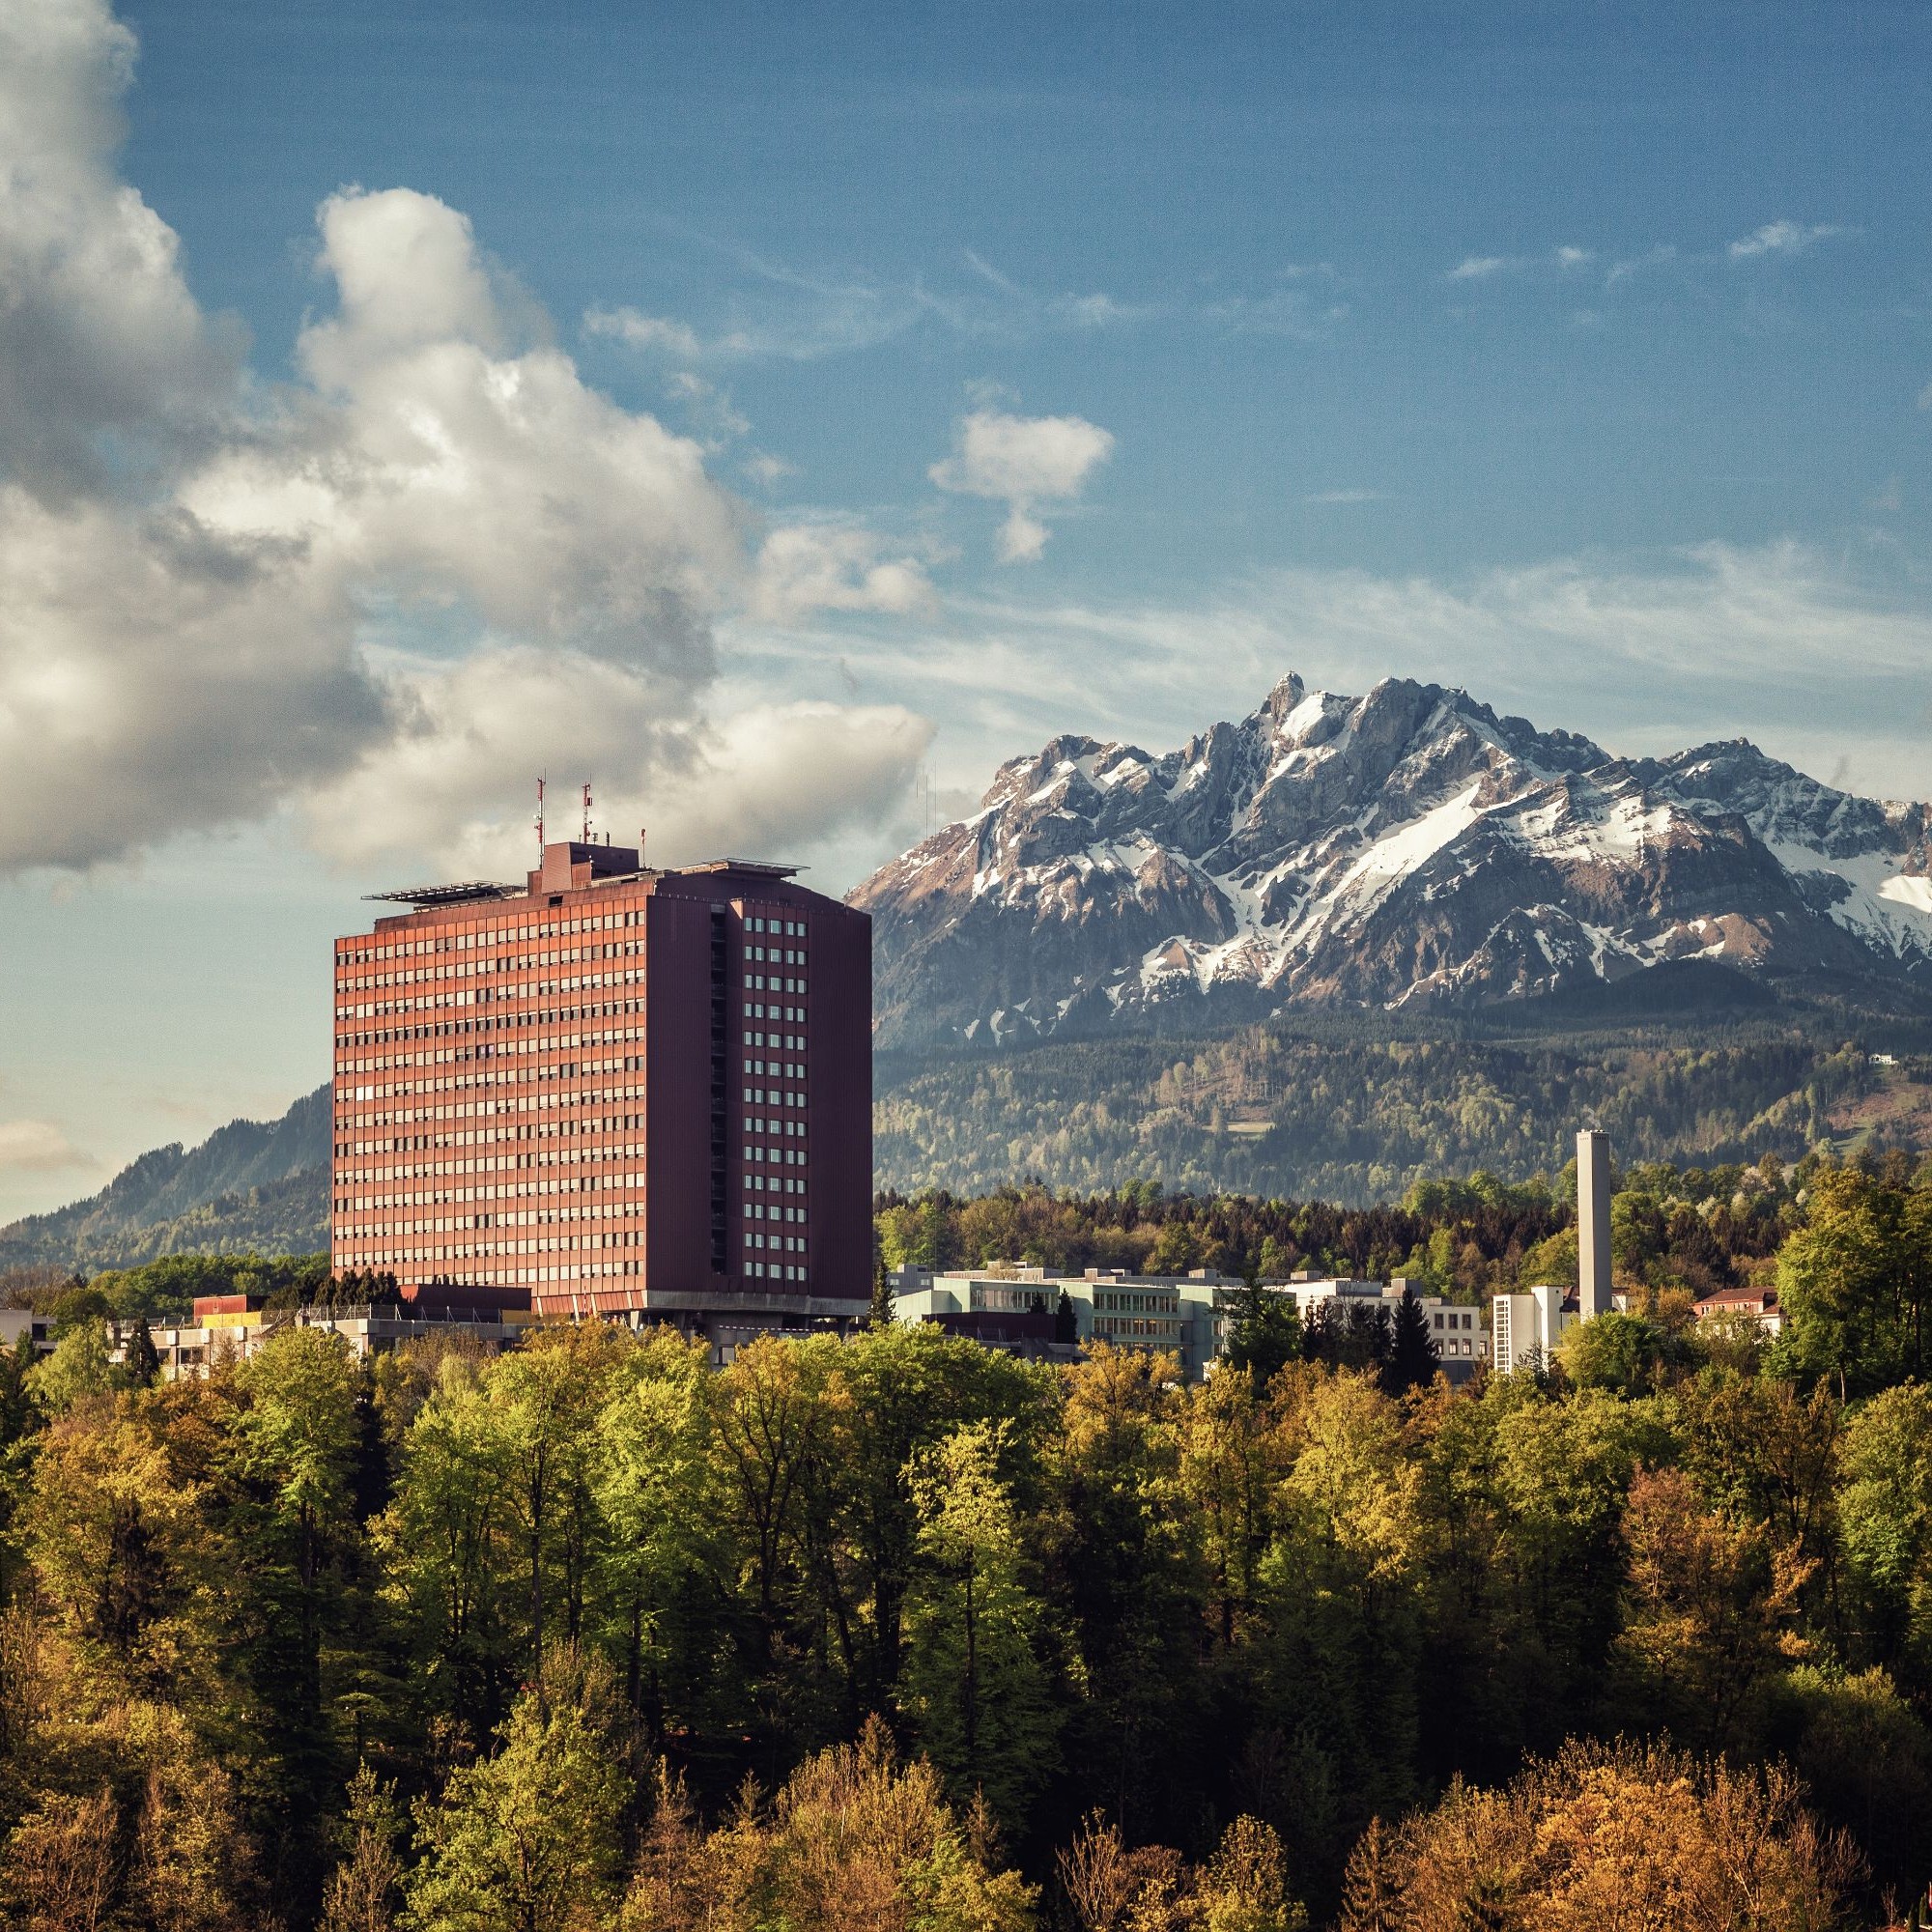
point(632, 1094)
point(1189, 1316)
point(1526, 1327)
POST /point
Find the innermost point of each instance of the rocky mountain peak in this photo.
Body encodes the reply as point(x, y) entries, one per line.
point(1408, 846)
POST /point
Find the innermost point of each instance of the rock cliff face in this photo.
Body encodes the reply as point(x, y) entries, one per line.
point(1409, 846)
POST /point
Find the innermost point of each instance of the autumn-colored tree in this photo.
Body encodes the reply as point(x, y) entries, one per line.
point(1711, 1608)
point(365, 1888)
point(855, 1841)
point(1638, 1837)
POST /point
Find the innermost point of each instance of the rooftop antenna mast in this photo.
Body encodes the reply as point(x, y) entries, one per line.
point(586, 811)
point(540, 818)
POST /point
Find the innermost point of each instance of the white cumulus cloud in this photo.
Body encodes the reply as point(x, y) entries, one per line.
point(1022, 461)
point(219, 592)
point(808, 567)
point(107, 364)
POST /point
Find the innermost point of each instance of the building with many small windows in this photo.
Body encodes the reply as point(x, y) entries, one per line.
point(631, 1093)
point(1189, 1316)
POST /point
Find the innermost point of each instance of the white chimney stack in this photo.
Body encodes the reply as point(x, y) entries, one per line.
point(1593, 1224)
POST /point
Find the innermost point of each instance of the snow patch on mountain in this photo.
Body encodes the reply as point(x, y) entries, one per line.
point(1408, 846)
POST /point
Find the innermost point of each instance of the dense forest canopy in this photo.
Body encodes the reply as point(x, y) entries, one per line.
point(898, 1631)
point(1360, 1109)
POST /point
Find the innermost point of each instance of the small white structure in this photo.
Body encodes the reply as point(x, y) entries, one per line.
point(1526, 1327)
point(22, 1324)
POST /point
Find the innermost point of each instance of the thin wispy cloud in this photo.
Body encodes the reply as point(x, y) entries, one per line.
point(1781, 237)
point(1658, 257)
point(37, 1147)
point(1346, 497)
point(1476, 268)
point(1646, 654)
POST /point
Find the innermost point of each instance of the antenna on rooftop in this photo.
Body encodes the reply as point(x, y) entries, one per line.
point(540, 825)
point(586, 811)
point(640, 846)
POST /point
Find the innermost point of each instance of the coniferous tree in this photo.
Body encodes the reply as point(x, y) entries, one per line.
point(1265, 1333)
point(1413, 1356)
point(143, 1358)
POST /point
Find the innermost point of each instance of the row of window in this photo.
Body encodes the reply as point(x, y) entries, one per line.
point(772, 1096)
point(518, 932)
point(356, 1200)
point(546, 988)
point(630, 1154)
point(461, 1137)
point(353, 968)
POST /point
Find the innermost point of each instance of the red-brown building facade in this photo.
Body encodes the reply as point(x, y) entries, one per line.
point(634, 1094)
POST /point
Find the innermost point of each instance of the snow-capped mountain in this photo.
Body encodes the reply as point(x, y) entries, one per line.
point(1409, 846)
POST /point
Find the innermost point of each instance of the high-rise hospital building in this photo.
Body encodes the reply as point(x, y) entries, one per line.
point(628, 1093)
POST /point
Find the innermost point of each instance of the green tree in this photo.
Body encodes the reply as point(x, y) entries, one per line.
point(1853, 1284)
point(79, 1368)
point(659, 1497)
point(1885, 1517)
point(289, 1531)
point(1265, 1333)
point(527, 1838)
point(365, 1888)
point(1621, 1353)
point(546, 1397)
point(973, 1683)
point(1243, 1888)
point(446, 1544)
point(143, 1358)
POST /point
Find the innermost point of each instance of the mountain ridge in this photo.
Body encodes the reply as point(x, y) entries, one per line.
point(260, 1185)
point(1407, 848)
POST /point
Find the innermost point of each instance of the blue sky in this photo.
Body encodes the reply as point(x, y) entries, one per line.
point(821, 399)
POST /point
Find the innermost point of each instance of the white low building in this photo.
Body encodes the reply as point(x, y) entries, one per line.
point(1526, 1327)
point(1460, 1333)
point(1190, 1316)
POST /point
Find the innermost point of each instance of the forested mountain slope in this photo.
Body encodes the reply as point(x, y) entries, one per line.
point(1359, 1111)
point(251, 1185)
